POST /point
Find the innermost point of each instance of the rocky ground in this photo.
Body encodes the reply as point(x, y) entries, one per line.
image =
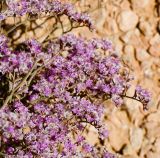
point(134, 28)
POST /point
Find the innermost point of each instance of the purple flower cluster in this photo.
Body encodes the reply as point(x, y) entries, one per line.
point(51, 93)
point(42, 130)
point(3, 46)
point(65, 95)
point(108, 155)
point(143, 95)
point(34, 7)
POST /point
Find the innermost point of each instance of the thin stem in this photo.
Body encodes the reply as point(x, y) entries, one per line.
point(125, 96)
point(20, 85)
point(34, 74)
point(13, 28)
point(90, 123)
point(7, 99)
point(27, 75)
point(73, 27)
point(21, 23)
point(62, 27)
point(2, 154)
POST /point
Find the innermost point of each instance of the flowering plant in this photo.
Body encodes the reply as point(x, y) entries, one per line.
point(50, 90)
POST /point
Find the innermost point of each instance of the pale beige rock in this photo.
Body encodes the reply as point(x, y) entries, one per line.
point(130, 156)
point(152, 155)
point(142, 54)
point(154, 117)
point(146, 147)
point(125, 4)
point(147, 63)
point(150, 132)
point(126, 37)
point(129, 49)
point(118, 129)
point(128, 150)
point(148, 72)
point(155, 50)
point(155, 39)
point(136, 138)
point(100, 18)
point(157, 145)
point(131, 37)
point(129, 57)
point(147, 68)
point(140, 3)
point(118, 47)
point(118, 137)
point(146, 28)
point(127, 20)
point(92, 136)
point(111, 26)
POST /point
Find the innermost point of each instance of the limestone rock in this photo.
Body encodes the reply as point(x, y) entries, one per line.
point(136, 138)
point(142, 54)
point(140, 3)
point(132, 37)
point(127, 20)
point(155, 40)
point(146, 28)
point(155, 45)
point(155, 50)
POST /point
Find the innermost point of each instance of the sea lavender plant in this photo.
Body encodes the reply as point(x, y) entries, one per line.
point(49, 93)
